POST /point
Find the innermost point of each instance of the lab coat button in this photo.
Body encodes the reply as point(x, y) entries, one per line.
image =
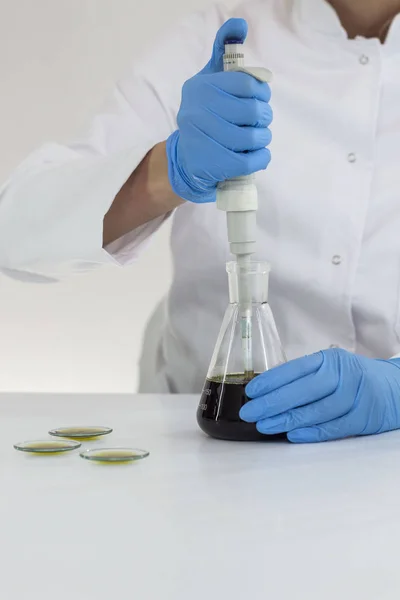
point(364, 60)
point(336, 259)
point(351, 157)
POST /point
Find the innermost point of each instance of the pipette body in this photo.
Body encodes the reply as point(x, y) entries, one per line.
point(238, 198)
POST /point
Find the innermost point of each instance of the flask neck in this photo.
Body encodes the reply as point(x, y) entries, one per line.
point(258, 280)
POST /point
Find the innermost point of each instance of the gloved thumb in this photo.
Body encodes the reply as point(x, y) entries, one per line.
point(233, 29)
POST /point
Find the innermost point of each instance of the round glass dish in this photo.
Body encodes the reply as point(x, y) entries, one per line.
point(81, 432)
point(114, 455)
point(47, 446)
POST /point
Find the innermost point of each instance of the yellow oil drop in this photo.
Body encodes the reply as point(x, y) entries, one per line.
point(84, 433)
point(114, 455)
point(47, 446)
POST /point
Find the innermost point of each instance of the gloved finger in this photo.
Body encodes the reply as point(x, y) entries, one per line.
point(322, 411)
point(233, 29)
point(284, 374)
point(337, 429)
point(237, 139)
point(235, 164)
point(232, 137)
point(250, 162)
point(240, 111)
point(301, 392)
point(238, 84)
point(247, 112)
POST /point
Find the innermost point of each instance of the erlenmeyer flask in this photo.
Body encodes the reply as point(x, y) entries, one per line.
point(224, 389)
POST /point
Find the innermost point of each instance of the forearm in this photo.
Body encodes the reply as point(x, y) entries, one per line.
point(147, 194)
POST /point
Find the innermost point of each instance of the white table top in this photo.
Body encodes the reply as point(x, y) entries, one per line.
point(199, 519)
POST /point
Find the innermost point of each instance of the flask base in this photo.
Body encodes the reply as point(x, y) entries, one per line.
point(218, 411)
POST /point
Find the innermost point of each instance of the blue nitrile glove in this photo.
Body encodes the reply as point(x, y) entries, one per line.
point(223, 125)
point(329, 395)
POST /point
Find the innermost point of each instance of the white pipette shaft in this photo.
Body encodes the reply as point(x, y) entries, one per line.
point(238, 197)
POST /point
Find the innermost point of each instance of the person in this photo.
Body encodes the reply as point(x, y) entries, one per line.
point(329, 211)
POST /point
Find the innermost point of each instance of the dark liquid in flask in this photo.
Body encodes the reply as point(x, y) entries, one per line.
point(218, 412)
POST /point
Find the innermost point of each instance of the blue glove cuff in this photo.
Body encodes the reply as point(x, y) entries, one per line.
point(178, 180)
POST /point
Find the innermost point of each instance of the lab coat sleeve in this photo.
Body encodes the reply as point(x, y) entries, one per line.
point(52, 207)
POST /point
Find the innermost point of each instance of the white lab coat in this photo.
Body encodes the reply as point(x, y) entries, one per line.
point(329, 217)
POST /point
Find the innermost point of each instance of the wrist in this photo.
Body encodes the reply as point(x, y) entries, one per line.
point(156, 181)
point(146, 195)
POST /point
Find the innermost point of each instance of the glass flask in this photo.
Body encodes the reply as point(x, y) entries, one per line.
point(228, 374)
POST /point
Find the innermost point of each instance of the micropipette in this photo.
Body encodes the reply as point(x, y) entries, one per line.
point(238, 198)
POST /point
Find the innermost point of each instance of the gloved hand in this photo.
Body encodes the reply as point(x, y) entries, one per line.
point(223, 125)
point(329, 395)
